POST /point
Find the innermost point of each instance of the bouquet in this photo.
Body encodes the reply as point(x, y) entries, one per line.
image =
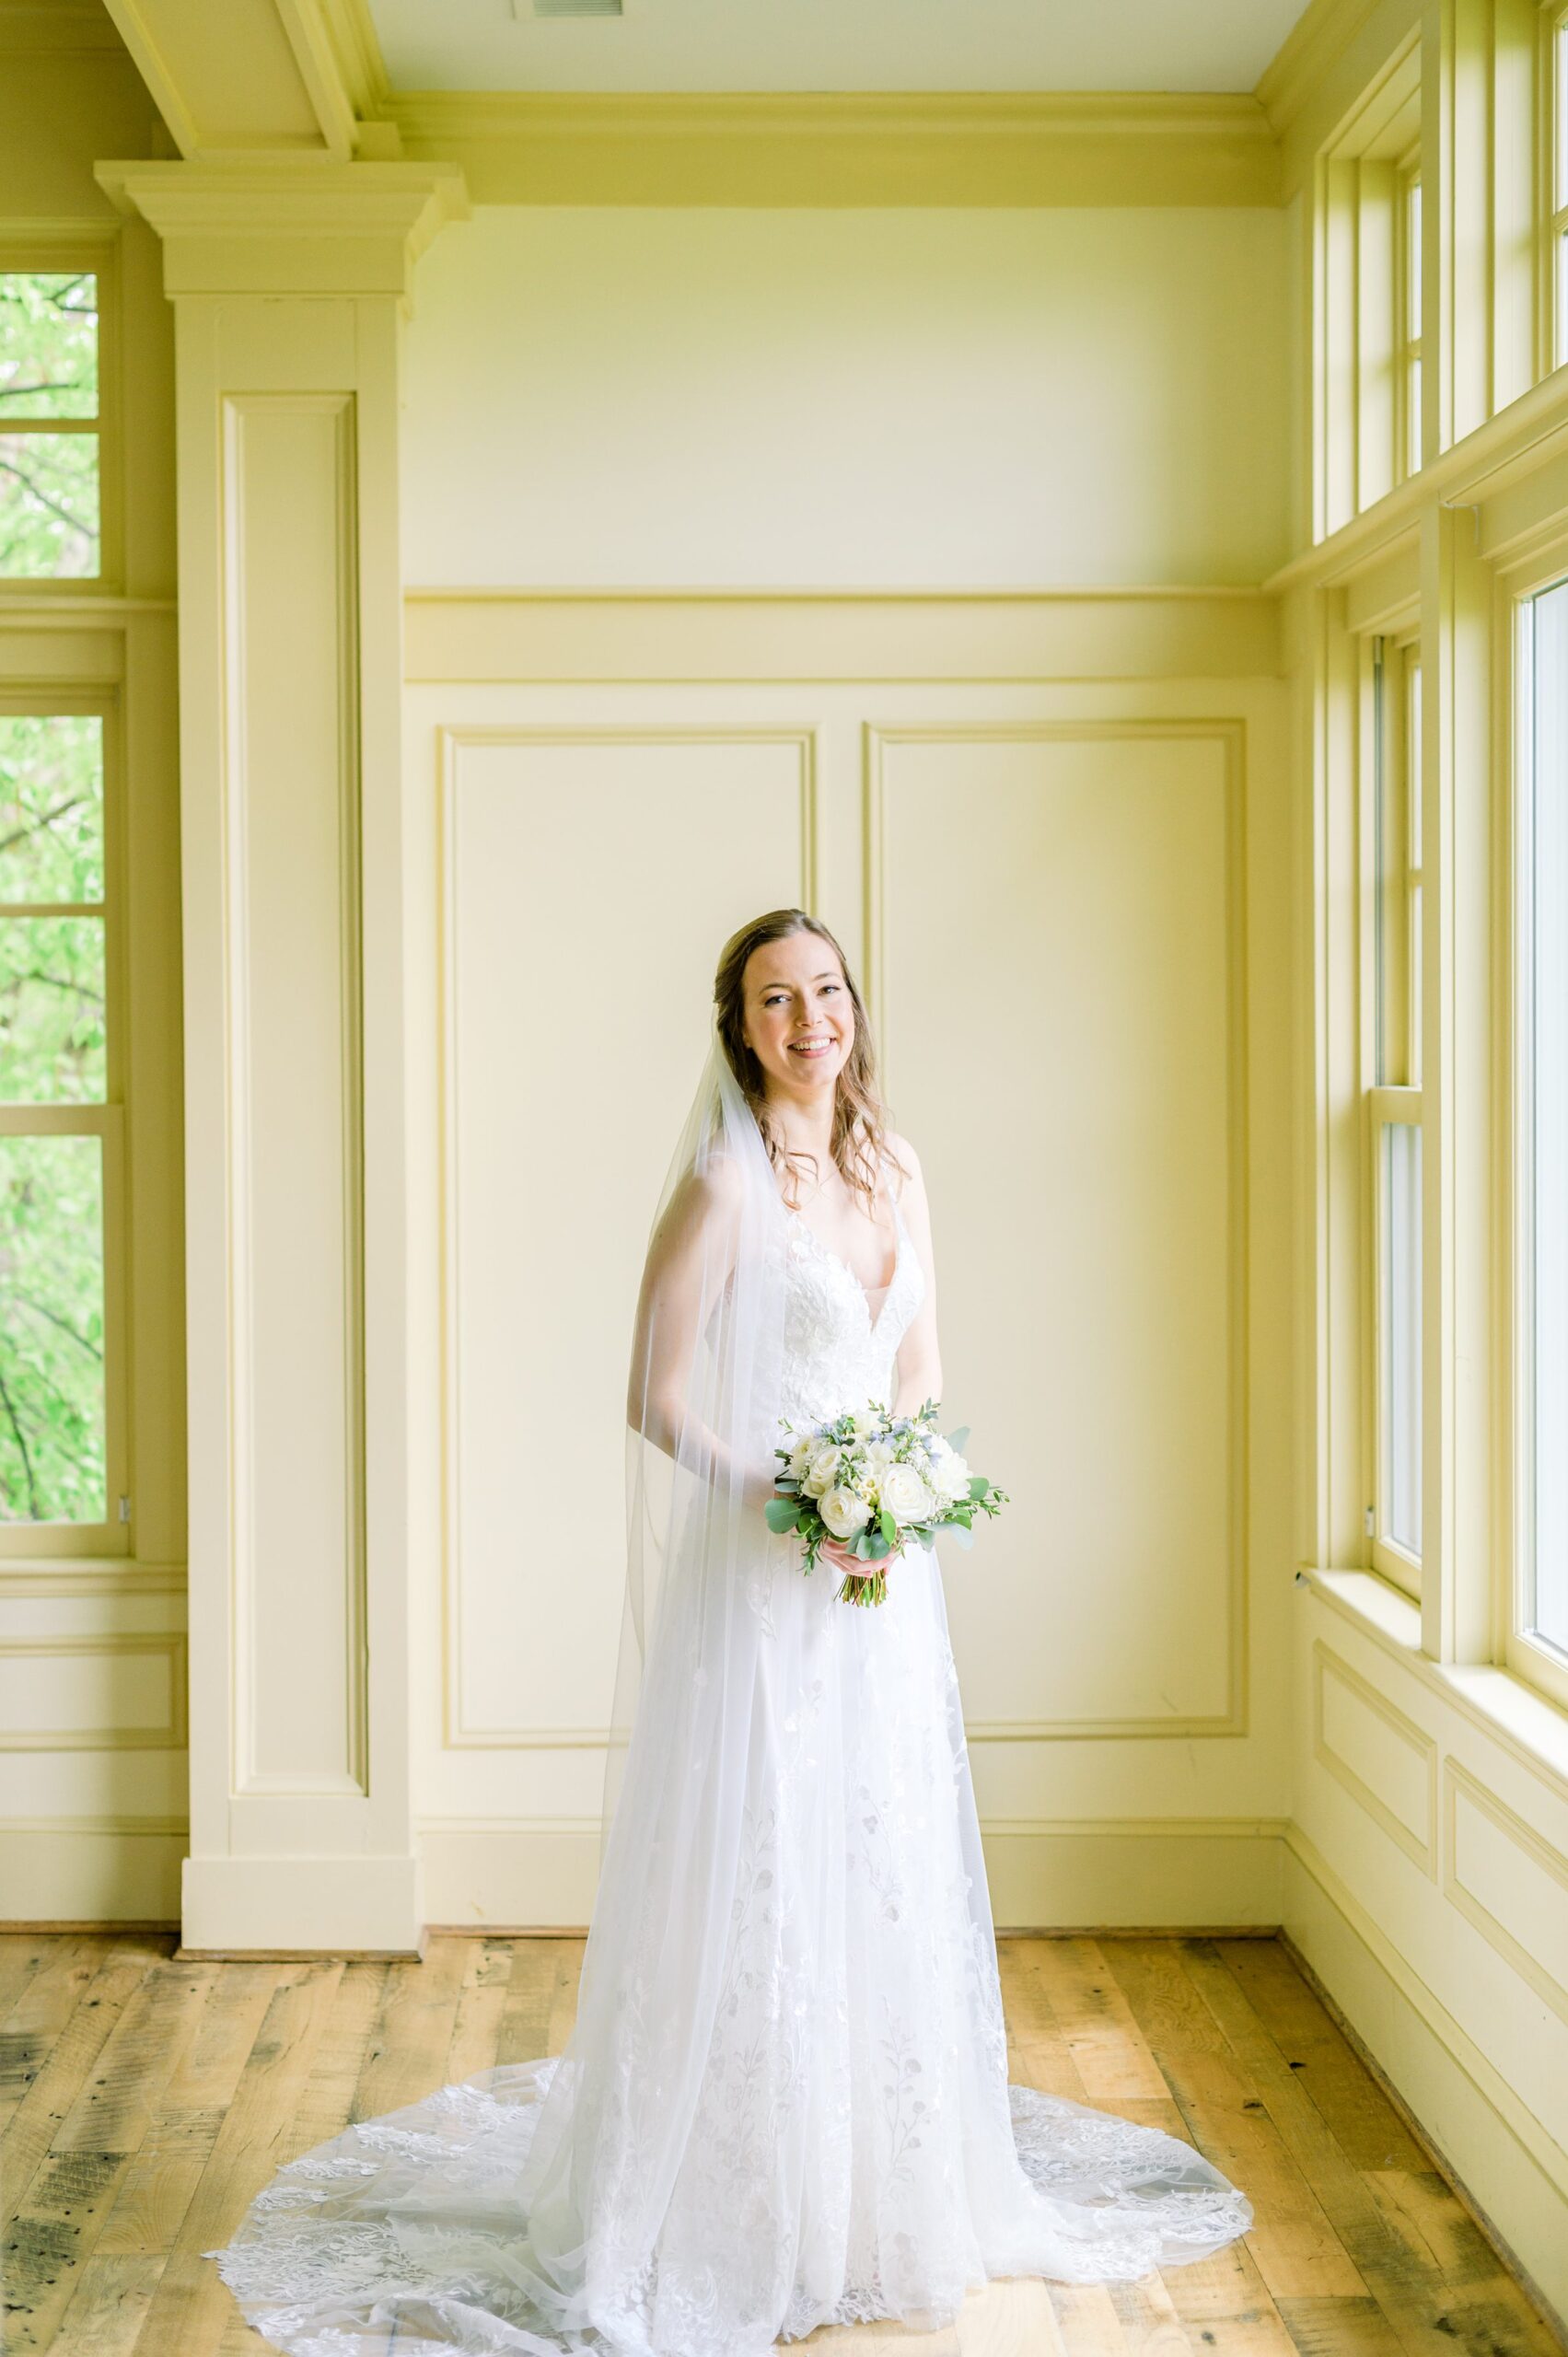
point(871, 1480)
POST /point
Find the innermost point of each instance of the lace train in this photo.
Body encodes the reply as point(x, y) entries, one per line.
point(406, 2233)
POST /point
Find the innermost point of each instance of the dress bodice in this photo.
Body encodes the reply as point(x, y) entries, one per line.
point(840, 1345)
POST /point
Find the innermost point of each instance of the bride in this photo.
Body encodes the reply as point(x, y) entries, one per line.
point(785, 2099)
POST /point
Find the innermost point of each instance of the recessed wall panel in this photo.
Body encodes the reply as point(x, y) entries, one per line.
point(591, 878)
point(293, 862)
point(1057, 921)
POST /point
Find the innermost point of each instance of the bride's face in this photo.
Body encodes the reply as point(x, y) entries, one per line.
point(799, 1018)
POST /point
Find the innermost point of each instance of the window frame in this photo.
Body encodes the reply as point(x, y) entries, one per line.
point(39, 251)
point(104, 1119)
point(1388, 742)
point(1537, 1665)
point(1362, 293)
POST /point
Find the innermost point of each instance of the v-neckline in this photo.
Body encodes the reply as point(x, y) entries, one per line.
point(873, 1317)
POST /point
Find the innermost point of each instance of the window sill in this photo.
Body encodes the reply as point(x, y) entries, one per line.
point(1529, 1724)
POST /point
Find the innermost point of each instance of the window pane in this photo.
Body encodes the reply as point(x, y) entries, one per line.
point(52, 1410)
point(48, 343)
point(1412, 822)
point(1562, 298)
point(51, 807)
point(52, 1011)
point(1394, 791)
point(1402, 1331)
point(48, 517)
point(1412, 752)
point(1562, 170)
point(1547, 1314)
point(1413, 264)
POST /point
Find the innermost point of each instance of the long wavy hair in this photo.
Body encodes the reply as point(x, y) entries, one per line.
point(860, 1118)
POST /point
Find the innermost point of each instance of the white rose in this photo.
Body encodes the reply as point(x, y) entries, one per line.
point(821, 1469)
point(800, 1457)
point(878, 1457)
point(905, 1495)
point(950, 1474)
point(844, 1512)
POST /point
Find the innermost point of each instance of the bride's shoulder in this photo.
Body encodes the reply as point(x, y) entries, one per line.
point(906, 1175)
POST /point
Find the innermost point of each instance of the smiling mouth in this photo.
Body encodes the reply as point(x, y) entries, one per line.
point(809, 1047)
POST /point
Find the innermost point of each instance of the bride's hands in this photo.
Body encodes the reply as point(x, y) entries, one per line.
point(834, 1551)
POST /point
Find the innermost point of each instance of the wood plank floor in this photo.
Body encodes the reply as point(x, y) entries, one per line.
point(142, 2101)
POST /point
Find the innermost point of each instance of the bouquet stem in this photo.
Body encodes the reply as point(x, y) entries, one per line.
point(864, 1587)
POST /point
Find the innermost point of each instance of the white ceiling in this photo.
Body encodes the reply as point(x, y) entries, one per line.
point(835, 45)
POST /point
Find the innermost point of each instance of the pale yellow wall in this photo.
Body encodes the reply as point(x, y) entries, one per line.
point(920, 399)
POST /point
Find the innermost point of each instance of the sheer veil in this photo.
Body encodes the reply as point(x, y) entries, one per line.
point(703, 1387)
point(705, 1382)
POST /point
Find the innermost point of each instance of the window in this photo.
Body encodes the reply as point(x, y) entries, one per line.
point(1367, 271)
point(59, 1127)
point(1394, 1113)
point(50, 472)
point(1541, 901)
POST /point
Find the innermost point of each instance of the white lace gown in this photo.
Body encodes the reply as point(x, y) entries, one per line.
point(855, 2150)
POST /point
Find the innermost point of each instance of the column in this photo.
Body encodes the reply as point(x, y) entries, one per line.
point(290, 283)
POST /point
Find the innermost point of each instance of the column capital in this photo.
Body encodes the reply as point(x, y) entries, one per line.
point(282, 229)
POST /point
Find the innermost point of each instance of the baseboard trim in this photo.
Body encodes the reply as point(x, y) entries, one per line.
point(1186, 1874)
point(1470, 2077)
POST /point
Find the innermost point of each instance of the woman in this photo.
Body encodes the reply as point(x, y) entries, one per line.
point(784, 2098)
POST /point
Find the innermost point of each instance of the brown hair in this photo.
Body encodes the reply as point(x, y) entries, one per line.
point(860, 1118)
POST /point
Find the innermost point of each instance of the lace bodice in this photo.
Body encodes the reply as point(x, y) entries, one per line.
point(840, 1346)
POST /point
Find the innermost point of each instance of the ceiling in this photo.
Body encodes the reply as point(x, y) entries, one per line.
point(835, 45)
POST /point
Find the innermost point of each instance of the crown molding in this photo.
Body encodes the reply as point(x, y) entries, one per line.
point(831, 148)
point(1311, 49)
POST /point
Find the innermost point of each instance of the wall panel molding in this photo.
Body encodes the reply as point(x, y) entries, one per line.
point(1502, 1824)
point(1418, 1839)
point(165, 1731)
point(879, 740)
point(545, 636)
point(459, 1731)
point(293, 842)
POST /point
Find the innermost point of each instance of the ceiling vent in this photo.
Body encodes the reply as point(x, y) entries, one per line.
point(578, 8)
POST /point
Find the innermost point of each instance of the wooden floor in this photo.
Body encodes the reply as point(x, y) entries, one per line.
point(144, 2100)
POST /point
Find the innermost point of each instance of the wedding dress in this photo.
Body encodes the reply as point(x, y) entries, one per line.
point(850, 2147)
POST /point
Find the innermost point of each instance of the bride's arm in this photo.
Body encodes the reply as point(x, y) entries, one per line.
point(690, 1257)
point(920, 1359)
